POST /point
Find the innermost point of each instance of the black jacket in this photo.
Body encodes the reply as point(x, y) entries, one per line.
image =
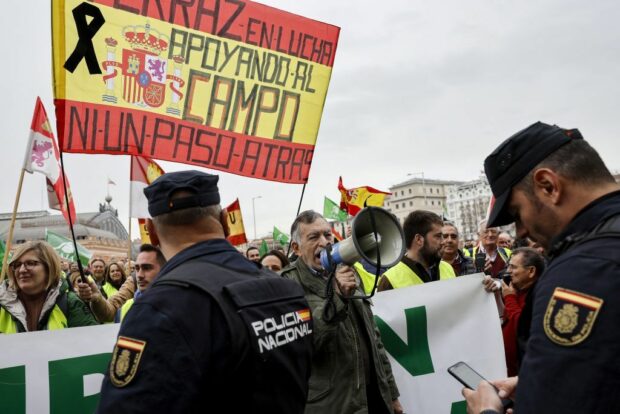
point(572, 363)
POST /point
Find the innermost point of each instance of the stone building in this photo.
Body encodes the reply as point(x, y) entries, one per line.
point(418, 194)
point(102, 233)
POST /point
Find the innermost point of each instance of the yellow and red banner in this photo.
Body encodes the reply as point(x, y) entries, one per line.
point(234, 222)
point(353, 200)
point(231, 85)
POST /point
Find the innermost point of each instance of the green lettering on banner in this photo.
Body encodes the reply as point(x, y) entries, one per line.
point(13, 390)
point(459, 407)
point(414, 356)
point(67, 383)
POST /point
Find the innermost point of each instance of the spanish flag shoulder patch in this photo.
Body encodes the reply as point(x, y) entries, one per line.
point(570, 316)
point(125, 360)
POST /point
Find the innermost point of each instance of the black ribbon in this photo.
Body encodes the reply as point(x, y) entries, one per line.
point(86, 31)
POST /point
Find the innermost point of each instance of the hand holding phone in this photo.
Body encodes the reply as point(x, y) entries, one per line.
point(467, 376)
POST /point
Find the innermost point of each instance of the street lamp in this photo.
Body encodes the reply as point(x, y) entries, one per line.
point(423, 183)
point(254, 214)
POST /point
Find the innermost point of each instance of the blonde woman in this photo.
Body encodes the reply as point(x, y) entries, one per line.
point(35, 298)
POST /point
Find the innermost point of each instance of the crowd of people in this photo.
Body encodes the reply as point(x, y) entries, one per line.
point(271, 333)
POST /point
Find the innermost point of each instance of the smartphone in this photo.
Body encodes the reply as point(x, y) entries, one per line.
point(466, 375)
point(505, 276)
point(470, 379)
point(480, 260)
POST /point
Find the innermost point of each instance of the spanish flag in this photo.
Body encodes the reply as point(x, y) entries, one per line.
point(234, 223)
point(355, 199)
point(142, 173)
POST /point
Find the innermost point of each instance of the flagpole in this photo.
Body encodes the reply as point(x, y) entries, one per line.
point(303, 190)
point(12, 226)
point(77, 253)
point(129, 226)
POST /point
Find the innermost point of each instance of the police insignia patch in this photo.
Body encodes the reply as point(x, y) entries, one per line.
point(125, 360)
point(570, 316)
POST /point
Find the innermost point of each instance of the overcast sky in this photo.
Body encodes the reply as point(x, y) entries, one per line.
point(417, 86)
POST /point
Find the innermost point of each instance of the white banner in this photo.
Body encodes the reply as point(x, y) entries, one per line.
point(428, 328)
point(57, 372)
point(425, 329)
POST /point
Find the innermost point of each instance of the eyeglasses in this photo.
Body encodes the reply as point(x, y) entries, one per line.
point(30, 264)
point(146, 267)
point(450, 236)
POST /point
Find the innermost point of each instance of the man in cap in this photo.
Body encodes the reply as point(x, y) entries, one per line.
point(556, 189)
point(213, 333)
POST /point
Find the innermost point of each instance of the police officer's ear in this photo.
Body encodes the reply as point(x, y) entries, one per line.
point(224, 222)
point(152, 232)
point(548, 185)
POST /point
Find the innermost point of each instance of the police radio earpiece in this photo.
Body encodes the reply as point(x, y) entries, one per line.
point(389, 244)
point(377, 237)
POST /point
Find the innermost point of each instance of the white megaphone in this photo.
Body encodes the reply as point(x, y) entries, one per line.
point(362, 243)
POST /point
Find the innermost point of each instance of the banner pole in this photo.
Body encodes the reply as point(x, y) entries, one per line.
point(129, 226)
point(77, 253)
point(303, 190)
point(12, 226)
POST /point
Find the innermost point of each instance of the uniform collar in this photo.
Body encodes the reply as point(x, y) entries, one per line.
point(594, 213)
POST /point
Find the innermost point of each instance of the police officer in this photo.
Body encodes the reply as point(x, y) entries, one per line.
point(557, 190)
point(213, 333)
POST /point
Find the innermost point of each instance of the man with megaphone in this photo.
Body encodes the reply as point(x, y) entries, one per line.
point(350, 369)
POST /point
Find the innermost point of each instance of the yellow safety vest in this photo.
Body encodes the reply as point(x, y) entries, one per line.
point(125, 308)
point(56, 320)
point(466, 253)
point(368, 279)
point(402, 275)
point(109, 289)
point(503, 252)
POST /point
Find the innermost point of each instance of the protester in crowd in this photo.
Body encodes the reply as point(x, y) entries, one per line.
point(253, 254)
point(496, 258)
point(524, 268)
point(64, 267)
point(556, 189)
point(274, 260)
point(422, 262)
point(201, 337)
point(504, 240)
point(149, 262)
point(527, 242)
point(73, 267)
point(130, 268)
point(97, 267)
point(342, 381)
point(74, 279)
point(114, 277)
point(450, 252)
point(35, 297)
point(105, 309)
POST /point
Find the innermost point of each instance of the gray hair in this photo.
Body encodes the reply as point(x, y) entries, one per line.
point(531, 258)
point(305, 217)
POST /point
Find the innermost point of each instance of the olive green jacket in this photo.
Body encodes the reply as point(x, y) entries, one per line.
point(337, 383)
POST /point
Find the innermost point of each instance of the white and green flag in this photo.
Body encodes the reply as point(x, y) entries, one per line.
point(64, 247)
point(429, 327)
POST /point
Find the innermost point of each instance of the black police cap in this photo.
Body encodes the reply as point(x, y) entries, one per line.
point(515, 158)
point(202, 186)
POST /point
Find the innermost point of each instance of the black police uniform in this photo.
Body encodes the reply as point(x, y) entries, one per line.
point(572, 363)
point(213, 333)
